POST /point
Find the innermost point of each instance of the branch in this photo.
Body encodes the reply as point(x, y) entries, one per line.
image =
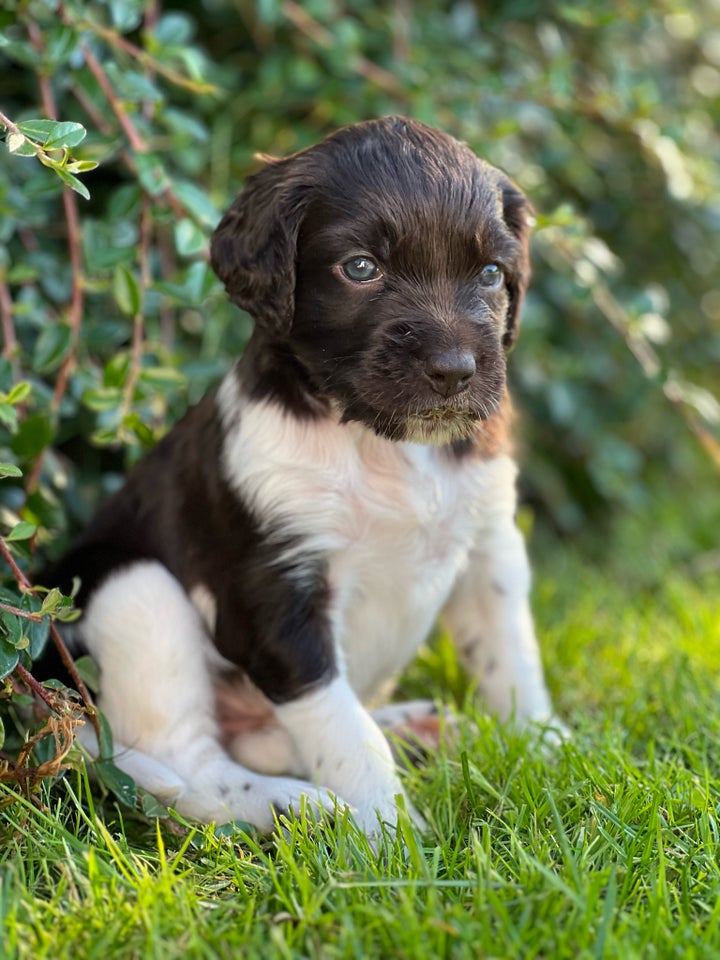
point(6, 321)
point(29, 680)
point(323, 38)
point(142, 56)
point(25, 586)
point(25, 614)
point(72, 227)
point(6, 122)
point(136, 141)
point(134, 137)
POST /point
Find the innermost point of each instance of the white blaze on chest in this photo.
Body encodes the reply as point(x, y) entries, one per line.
point(392, 521)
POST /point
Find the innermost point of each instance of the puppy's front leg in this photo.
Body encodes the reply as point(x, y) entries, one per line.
point(489, 617)
point(290, 653)
point(342, 747)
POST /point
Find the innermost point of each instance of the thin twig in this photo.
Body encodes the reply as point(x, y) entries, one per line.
point(6, 320)
point(72, 229)
point(135, 139)
point(114, 39)
point(25, 614)
point(25, 586)
point(77, 680)
point(22, 581)
point(7, 122)
point(402, 22)
point(37, 688)
point(320, 35)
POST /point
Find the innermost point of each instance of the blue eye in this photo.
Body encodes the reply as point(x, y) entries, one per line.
point(361, 269)
point(491, 276)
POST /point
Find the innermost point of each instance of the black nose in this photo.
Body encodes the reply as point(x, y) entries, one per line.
point(450, 372)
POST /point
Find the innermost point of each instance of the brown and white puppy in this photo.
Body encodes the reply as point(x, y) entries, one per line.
point(284, 551)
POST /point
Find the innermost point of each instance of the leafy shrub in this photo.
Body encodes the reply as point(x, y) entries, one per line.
point(129, 125)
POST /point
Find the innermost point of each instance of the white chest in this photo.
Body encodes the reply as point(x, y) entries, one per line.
point(407, 540)
point(393, 523)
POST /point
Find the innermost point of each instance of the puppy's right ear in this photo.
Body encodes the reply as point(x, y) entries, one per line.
point(253, 248)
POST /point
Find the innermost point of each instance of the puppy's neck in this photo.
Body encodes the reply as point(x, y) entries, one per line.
point(269, 371)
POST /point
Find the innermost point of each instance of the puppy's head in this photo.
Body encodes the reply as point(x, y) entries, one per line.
point(393, 262)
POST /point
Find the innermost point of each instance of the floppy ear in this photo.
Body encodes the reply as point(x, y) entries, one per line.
point(516, 213)
point(253, 248)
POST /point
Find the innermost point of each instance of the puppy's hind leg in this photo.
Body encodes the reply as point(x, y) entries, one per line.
point(157, 695)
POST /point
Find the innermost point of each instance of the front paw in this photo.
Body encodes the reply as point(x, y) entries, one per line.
point(549, 732)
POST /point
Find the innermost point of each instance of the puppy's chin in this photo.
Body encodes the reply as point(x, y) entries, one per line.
point(437, 426)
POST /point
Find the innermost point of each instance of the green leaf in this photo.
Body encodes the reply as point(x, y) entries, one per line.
point(71, 181)
point(8, 416)
point(189, 238)
point(66, 134)
point(2, 738)
point(81, 166)
point(151, 173)
point(102, 398)
point(52, 346)
point(67, 613)
point(38, 633)
point(38, 130)
point(9, 657)
point(89, 672)
point(119, 783)
point(9, 470)
point(21, 531)
point(53, 134)
point(162, 377)
point(20, 145)
point(106, 737)
point(141, 430)
point(54, 602)
point(126, 291)
point(195, 287)
point(197, 203)
point(152, 807)
point(104, 438)
point(173, 30)
point(19, 393)
point(33, 435)
point(14, 626)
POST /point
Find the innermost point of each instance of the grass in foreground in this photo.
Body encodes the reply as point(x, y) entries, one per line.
point(607, 847)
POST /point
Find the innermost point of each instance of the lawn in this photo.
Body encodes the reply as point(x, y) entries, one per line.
point(604, 847)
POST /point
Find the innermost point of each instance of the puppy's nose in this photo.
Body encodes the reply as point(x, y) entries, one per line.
point(450, 372)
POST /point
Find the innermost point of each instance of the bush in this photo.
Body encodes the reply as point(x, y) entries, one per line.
point(144, 120)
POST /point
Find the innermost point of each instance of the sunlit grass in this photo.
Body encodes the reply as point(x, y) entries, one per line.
point(606, 847)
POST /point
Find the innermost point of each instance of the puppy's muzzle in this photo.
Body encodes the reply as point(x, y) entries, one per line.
point(450, 371)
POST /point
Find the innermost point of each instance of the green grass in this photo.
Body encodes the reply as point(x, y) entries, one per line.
point(607, 847)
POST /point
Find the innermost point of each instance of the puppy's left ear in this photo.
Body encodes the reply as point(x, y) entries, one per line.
point(253, 248)
point(517, 212)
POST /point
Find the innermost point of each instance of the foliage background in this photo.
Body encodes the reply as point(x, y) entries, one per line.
point(606, 113)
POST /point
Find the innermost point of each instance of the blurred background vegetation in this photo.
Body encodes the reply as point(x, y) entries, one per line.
point(605, 112)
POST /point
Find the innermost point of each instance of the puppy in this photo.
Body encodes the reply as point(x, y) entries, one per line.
point(286, 548)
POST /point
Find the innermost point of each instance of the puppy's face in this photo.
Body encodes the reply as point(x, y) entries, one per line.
point(404, 265)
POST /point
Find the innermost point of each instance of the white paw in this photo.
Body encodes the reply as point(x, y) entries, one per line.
point(549, 732)
point(554, 732)
point(226, 792)
point(147, 771)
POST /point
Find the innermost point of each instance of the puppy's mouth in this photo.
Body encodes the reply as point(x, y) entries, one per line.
point(423, 423)
point(439, 425)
